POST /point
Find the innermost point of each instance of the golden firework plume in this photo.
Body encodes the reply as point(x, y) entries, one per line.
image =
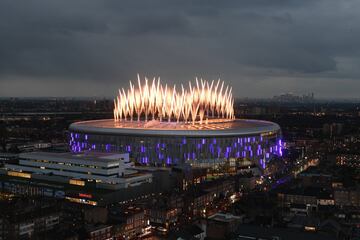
point(195, 104)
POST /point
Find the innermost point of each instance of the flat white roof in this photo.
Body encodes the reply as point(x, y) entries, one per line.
point(225, 217)
point(100, 159)
point(216, 128)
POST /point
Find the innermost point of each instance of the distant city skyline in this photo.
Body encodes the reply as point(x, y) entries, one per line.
point(261, 48)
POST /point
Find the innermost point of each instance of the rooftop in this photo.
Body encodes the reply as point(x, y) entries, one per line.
point(225, 217)
point(87, 156)
point(215, 127)
point(257, 232)
point(308, 191)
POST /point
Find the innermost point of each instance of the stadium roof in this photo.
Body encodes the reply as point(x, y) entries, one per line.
point(217, 128)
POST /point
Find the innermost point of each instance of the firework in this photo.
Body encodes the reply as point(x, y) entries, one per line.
point(197, 103)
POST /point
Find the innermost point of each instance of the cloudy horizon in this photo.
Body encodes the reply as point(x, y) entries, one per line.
point(261, 48)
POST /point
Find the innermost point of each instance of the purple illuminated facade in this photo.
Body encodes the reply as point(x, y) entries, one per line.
point(166, 144)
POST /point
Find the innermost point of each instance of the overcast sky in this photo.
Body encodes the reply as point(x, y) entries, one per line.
point(261, 48)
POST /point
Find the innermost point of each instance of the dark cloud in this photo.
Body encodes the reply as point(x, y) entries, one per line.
point(250, 44)
point(158, 24)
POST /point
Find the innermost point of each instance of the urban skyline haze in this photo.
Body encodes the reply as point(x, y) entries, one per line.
point(261, 48)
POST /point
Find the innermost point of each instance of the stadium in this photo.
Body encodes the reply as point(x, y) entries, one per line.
point(162, 126)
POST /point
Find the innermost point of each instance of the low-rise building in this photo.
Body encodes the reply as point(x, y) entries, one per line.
point(310, 196)
point(131, 222)
point(98, 232)
point(347, 197)
point(314, 177)
point(106, 170)
point(188, 232)
point(27, 220)
point(222, 225)
point(95, 215)
point(164, 216)
point(352, 160)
